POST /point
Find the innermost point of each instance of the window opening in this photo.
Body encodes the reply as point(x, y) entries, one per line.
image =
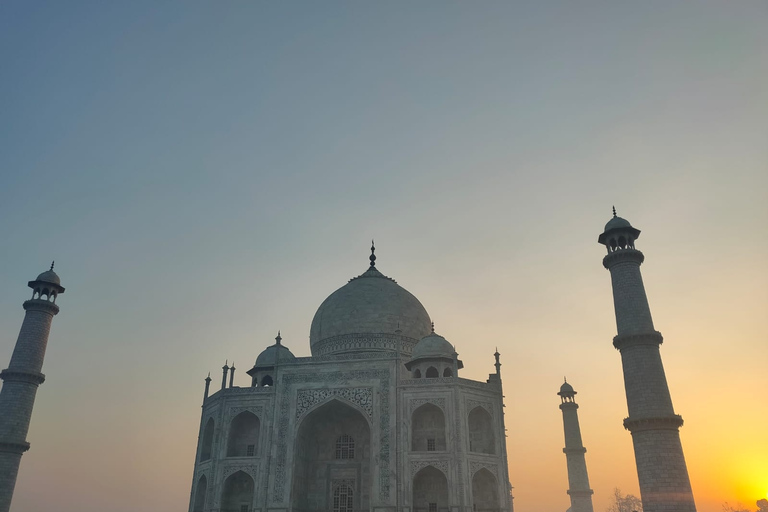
point(345, 447)
point(431, 447)
point(343, 498)
point(433, 507)
point(250, 451)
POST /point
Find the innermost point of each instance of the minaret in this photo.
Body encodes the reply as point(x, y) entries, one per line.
point(661, 469)
point(578, 480)
point(22, 377)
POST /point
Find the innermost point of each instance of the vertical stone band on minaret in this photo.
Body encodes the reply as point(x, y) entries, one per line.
point(578, 479)
point(22, 378)
point(661, 468)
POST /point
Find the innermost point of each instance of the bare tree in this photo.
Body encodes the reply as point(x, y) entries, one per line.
point(622, 503)
point(737, 507)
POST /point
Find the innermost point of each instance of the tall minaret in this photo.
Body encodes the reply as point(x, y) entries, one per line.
point(578, 480)
point(661, 469)
point(22, 377)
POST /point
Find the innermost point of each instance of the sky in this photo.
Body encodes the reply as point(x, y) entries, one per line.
point(206, 173)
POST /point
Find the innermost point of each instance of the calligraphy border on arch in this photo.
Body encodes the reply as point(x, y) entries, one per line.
point(286, 382)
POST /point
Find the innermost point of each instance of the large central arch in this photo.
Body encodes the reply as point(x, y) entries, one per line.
point(332, 459)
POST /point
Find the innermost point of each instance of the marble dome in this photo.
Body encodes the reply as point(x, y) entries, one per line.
point(432, 345)
point(617, 223)
point(370, 304)
point(49, 276)
point(274, 353)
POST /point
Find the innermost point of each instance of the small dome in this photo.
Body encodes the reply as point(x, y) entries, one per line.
point(566, 389)
point(49, 276)
point(274, 353)
point(617, 223)
point(431, 346)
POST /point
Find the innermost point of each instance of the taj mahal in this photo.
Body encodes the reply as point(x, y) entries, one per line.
point(378, 418)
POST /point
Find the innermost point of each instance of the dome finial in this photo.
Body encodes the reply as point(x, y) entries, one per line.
point(614, 211)
point(52, 264)
point(372, 257)
point(433, 327)
point(278, 338)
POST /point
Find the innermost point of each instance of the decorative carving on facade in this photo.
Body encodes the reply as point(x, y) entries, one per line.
point(418, 465)
point(476, 466)
point(471, 404)
point(308, 398)
point(288, 381)
point(418, 402)
point(249, 469)
point(256, 410)
point(346, 481)
point(345, 342)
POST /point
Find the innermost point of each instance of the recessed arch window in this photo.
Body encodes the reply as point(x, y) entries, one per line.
point(432, 373)
point(343, 499)
point(417, 374)
point(345, 447)
point(266, 381)
point(447, 372)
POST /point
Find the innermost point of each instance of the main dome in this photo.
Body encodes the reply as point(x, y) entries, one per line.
point(365, 314)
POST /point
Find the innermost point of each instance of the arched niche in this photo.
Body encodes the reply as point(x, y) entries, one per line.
point(237, 493)
point(428, 429)
point(243, 435)
point(485, 492)
point(207, 445)
point(321, 463)
point(481, 438)
point(432, 373)
point(266, 381)
point(200, 493)
point(430, 491)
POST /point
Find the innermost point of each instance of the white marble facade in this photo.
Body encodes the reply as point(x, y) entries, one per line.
point(377, 419)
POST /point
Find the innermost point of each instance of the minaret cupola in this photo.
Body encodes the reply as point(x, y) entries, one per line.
point(567, 394)
point(46, 285)
point(618, 234)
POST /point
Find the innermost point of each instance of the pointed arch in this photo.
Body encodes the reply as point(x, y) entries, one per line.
point(237, 493)
point(200, 493)
point(317, 472)
point(243, 435)
point(428, 429)
point(432, 373)
point(481, 438)
point(485, 492)
point(207, 445)
point(267, 381)
point(430, 490)
point(447, 372)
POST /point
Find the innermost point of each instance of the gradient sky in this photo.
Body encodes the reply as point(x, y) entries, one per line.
point(206, 173)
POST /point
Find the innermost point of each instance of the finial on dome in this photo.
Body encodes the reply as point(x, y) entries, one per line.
point(208, 378)
point(52, 264)
point(614, 211)
point(372, 257)
point(564, 379)
point(278, 338)
point(433, 327)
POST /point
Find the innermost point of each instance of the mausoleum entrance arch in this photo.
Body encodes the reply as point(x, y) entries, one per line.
point(332, 460)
